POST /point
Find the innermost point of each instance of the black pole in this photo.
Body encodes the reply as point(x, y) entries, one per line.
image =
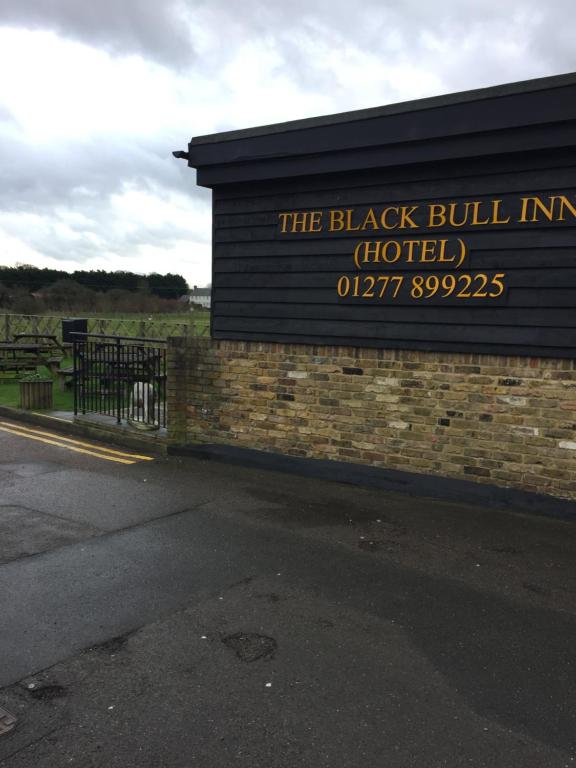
point(75, 375)
point(118, 383)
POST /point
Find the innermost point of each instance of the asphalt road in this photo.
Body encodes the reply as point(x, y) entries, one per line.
point(178, 613)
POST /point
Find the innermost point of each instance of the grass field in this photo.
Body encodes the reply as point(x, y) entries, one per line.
point(159, 326)
point(201, 317)
point(174, 317)
point(10, 391)
point(121, 324)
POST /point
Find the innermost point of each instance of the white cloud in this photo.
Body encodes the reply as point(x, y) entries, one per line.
point(65, 91)
point(98, 94)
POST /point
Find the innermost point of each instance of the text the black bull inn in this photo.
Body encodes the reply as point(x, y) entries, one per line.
point(446, 224)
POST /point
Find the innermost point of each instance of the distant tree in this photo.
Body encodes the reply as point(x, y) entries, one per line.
point(69, 296)
point(32, 280)
point(4, 297)
point(23, 303)
point(167, 286)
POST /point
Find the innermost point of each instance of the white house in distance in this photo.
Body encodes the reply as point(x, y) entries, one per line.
point(200, 296)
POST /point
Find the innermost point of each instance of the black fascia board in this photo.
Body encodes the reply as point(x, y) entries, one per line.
point(526, 116)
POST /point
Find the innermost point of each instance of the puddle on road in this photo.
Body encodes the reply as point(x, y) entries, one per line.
point(25, 532)
point(47, 692)
point(7, 721)
point(31, 469)
point(291, 509)
point(112, 646)
point(249, 646)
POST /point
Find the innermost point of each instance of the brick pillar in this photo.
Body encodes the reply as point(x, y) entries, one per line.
point(180, 357)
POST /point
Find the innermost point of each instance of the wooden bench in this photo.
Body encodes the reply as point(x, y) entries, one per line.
point(53, 364)
point(65, 378)
point(30, 363)
point(48, 341)
point(16, 364)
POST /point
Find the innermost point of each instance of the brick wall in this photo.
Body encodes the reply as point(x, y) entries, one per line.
point(509, 421)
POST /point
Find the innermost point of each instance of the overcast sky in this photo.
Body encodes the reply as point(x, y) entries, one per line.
point(95, 95)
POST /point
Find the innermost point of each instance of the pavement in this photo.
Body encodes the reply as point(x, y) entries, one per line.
point(172, 612)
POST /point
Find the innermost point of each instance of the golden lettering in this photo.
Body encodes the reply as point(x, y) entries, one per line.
point(442, 255)
point(524, 210)
point(384, 216)
point(428, 247)
point(565, 203)
point(336, 218)
point(476, 212)
point(315, 221)
point(453, 207)
point(299, 222)
point(372, 249)
point(463, 252)
point(349, 227)
point(370, 220)
point(395, 256)
point(284, 219)
point(406, 213)
point(454, 214)
point(495, 213)
point(357, 255)
point(437, 215)
point(548, 212)
point(537, 205)
point(410, 244)
point(423, 286)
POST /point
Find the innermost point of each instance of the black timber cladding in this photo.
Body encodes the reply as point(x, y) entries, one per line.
point(505, 144)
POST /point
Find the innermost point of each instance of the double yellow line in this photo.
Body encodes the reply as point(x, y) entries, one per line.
point(120, 457)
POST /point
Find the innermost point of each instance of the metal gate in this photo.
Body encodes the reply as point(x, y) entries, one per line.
point(121, 376)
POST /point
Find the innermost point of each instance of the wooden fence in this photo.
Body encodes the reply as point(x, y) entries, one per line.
point(119, 326)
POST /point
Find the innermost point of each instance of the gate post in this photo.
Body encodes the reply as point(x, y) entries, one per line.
point(75, 377)
point(118, 383)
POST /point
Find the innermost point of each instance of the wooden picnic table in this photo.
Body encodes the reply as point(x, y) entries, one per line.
point(17, 356)
point(48, 340)
point(19, 347)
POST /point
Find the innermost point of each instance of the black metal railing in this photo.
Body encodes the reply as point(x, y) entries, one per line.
point(121, 376)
